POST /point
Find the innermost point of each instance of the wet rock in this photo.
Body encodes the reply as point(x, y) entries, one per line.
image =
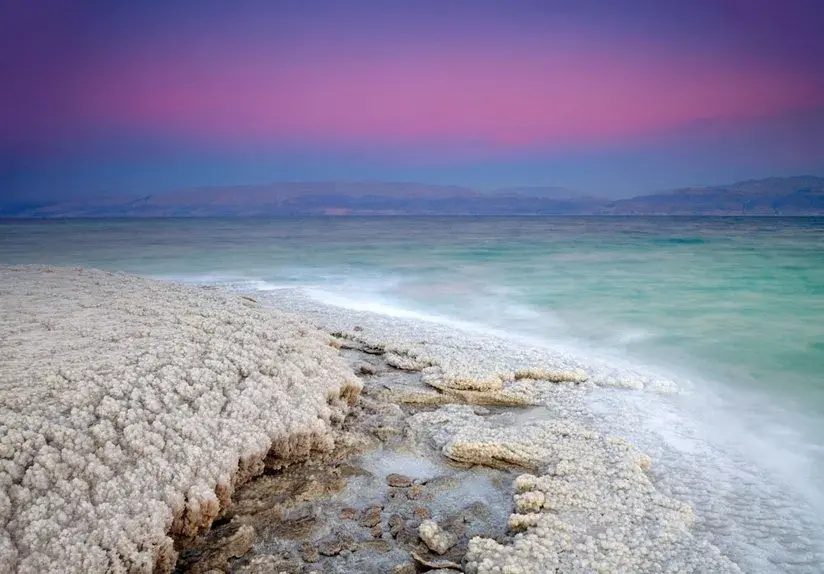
point(398, 480)
point(396, 524)
point(309, 552)
point(408, 536)
point(371, 516)
point(330, 545)
point(349, 542)
point(220, 545)
point(376, 545)
point(286, 563)
point(456, 524)
point(435, 538)
point(406, 568)
point(422, 512)
point(348, 513)
point(296, 524)
point(435, 563)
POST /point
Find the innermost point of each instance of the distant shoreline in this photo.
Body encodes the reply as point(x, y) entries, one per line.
point(419, 216)
point(780, 196)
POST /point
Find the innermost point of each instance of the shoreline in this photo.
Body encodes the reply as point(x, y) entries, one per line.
point(585, 501)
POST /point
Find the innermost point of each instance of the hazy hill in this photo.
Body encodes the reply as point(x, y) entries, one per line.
point(319, 198)
point(802, 195)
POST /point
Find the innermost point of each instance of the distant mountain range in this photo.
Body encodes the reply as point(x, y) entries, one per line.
point(803, 195)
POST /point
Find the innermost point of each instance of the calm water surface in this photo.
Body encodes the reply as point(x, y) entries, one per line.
point(738, 299)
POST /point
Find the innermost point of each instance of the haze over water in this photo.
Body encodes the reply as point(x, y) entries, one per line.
point(730, 309)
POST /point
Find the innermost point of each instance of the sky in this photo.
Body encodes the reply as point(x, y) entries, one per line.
point(609, 97)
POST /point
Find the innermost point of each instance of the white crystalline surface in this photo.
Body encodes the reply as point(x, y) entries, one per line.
point(130, 408)
point(589, 507)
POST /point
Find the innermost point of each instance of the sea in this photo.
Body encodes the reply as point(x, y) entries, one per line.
point(730, 309)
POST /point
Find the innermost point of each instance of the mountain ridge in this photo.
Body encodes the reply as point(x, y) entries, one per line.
point(798, 195)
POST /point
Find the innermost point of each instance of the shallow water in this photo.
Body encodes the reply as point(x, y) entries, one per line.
point(731, 309)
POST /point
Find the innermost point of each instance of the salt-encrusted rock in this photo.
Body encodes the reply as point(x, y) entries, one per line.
point(405, 568)
point(590, 508)
point(286, 563)
point(398, 480)
point(421, 512)
point(330, 546)
point(131, 409)
point(405, 362)
point(371, 516)
point(437, 539)
point(552, 375)
point(437, 564)
point(348, 513)
point(381, 546)
point(309, 552)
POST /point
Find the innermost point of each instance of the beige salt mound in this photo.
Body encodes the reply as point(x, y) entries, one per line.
point(131, 408)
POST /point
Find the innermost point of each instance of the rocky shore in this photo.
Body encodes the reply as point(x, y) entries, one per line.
point(148, 426)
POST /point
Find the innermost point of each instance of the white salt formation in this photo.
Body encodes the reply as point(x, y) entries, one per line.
point(130, 409)
point(437, 539)
point(461, 360)
point(590, 507)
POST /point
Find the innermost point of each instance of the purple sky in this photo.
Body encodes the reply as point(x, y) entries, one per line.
point(611, 97)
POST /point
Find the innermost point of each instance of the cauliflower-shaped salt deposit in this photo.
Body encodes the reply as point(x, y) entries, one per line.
point(132, 408)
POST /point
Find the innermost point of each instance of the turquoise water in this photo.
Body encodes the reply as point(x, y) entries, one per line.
point(730, 309)
point(740, 300)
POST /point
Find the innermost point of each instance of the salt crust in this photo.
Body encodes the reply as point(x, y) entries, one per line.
point(131, 408)
point(589, 507)
point(460, 360)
